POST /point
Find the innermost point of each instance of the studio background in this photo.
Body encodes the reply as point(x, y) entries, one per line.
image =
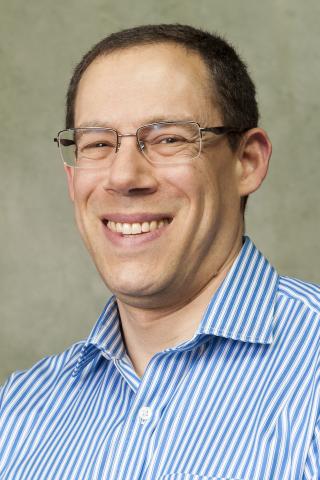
point(51, 294)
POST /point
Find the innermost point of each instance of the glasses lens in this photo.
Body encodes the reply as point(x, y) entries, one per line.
point(87, 147)
point(170, 142)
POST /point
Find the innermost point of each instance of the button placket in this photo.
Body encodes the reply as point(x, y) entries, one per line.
point(141, 423)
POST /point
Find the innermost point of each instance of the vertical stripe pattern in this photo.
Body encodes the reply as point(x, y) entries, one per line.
point(238, 401)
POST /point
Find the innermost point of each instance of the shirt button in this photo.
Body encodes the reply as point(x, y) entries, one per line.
point(145, 413)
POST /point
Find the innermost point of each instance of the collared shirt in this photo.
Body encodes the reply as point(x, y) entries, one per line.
point(238, 401)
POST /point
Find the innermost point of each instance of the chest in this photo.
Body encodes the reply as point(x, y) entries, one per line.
point(222, 411)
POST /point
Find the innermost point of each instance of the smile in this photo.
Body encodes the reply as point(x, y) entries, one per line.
point(136, 228)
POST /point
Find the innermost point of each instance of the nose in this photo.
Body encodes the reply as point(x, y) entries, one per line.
point(130, 172)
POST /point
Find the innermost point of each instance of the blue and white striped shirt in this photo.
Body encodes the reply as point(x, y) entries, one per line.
point(238, 401)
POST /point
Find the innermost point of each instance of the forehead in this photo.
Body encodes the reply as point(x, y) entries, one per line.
point(162, 81)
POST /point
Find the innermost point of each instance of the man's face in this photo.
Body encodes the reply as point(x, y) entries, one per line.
point(192, 208)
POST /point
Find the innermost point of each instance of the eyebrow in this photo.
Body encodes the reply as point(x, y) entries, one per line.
point(154, 119)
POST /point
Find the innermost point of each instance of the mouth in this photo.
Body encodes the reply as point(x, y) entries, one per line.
point(135, 228)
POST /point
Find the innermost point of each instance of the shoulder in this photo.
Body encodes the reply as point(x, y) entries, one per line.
point(299, 291)
point(40, 376)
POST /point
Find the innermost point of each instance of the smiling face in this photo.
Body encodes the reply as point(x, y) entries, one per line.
point(157, 234)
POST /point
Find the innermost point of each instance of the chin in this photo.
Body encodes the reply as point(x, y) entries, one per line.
point(141, 293)
point(135, 290)
point(131, 285)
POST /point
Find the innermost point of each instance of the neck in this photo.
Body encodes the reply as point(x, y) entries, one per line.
point(147, 331)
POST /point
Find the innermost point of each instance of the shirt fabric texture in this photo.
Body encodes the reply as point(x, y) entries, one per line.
point(238, 401)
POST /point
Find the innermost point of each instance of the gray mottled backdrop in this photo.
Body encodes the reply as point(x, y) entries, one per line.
point(50, 292)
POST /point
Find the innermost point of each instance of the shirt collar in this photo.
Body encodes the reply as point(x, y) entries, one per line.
point(105, 337)
point(241, 309)
point(243, 306)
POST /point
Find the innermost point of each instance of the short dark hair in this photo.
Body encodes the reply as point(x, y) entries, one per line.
point(234, 89)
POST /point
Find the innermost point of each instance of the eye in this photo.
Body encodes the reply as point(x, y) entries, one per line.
point(169, 140)
point(98, 145)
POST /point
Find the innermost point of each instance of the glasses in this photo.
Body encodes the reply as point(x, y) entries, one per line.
point(161, 143)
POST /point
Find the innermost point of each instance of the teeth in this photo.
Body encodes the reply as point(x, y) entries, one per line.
point(136, 228)
point(153, 225)
point(145, 227)
point(126, 229)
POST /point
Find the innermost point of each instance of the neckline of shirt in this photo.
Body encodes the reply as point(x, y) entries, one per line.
point(242, 309)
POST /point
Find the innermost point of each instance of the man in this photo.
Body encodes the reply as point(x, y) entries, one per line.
point(205, 363)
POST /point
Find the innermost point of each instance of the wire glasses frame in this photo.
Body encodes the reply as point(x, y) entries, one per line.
point(159, 142)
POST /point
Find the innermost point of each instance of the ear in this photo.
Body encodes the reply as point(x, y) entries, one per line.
point(70, 174)
point(253, 160)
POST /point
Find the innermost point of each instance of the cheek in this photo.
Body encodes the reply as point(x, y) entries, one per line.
point(197, 188)
point(85, 183)
point(204, 182)
point(85, 187)
point(185, 178)
point(221, 175)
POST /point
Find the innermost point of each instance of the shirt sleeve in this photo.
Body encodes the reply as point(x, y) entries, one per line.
point(312, 467)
